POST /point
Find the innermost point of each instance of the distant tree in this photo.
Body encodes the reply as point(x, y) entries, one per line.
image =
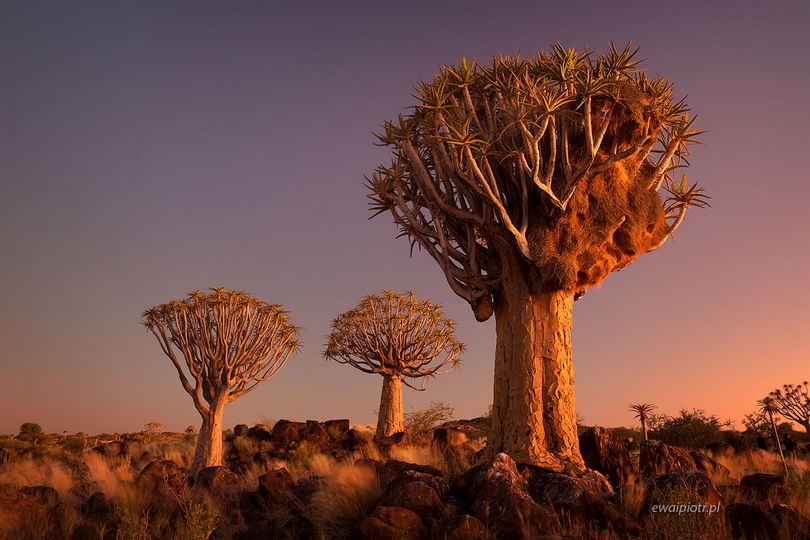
point(768, 407)
point(690, 429)
point(793, 402)
point(757, 423)
point(528, 181)
point(223, 344)
point(643, 411)
point(398, 337)
point(154, 428)
point(30, 429)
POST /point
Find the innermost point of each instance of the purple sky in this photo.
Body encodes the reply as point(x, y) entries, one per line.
point(156, 147)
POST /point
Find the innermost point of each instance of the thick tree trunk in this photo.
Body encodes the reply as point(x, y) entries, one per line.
point(533, 415)
point(209, 441)
point(644, 428)
point(391, 418)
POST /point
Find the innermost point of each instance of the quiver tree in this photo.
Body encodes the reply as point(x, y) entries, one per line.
point(223, 344)
point(643, 412)
point(793, 402)
point(529, 181)
point(399, 337)
point(769, 408)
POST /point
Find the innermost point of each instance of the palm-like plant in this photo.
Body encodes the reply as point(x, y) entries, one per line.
point(769, 407)
point(643, 412)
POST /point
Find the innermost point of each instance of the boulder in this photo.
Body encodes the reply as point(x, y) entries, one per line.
point(97, 508)
point(337, 428)
point(468, 528)
point(286, 432)
point(498, 495)
point(219, 480)
point(751, 522)
point(719, 474)
point(112, 449)
point(276, 484)
point(392, 523)
point(260, 433)
point(604, 451)
point(791, 521)
point(448, 437)
point(88, 531)
point(352, 441)
point(317, 435)
point(684, 487)
point(584, 500)
point(659, 458)
point(416, 496)
point(240, 430)
point(393, 468)
point(764, 487)
point(161, 482)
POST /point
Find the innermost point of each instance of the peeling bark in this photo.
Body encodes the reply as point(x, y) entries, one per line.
point(534, 415)
point(391, 418)
point(208, 452)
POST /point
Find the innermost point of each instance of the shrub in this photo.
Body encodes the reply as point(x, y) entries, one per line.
point(418, 424)
point(690, 429)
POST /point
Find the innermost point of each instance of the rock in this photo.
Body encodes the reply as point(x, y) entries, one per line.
point(306, 489)
point(547, 487)
point(161, 482)
point(112, 449)
point(791, 521)
point(685, 487)
point(374, 464)
point(159, 474)
point(392, 523)
point(659, 458)
point(267, 461)
point(604, 451)
point(447, 437)
point(260, 433)
point(286, 432)
point(316, 435)
point(468, 528)
point(584, 500)
point(497, 494)
point(352, 441)
point(97, 508)
point(44, 495)
point(88, 531)
point(337, 428)
point(751, 522)
point(240, 430)
point(18, 514)
point(219, 480)
point(764, 487)
point(393, 468)
point(386, 444)
point(276, 484)
point(719, 474)
point(720, 449)
point(416, 496)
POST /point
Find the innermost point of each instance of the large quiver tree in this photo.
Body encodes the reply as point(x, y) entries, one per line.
point(529, 181)
point(793, 402)
point(223, 344)
point(399, 337)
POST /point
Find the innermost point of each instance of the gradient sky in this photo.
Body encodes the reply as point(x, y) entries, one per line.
point(151, 148)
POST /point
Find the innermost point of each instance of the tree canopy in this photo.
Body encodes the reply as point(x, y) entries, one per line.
point(556, 157)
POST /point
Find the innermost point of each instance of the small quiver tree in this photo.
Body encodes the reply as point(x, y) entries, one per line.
point(793, 402)
point(223, 344)
point(643, 412)
point(769, 408)
point(399, 337)
point(529, 181)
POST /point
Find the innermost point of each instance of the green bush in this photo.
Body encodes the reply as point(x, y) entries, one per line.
point(690, 429)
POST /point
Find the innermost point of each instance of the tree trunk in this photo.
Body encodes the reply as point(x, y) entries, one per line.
point(644, 428)
point(391, 418)
point(533, 415)
point(209, 441)
point(778, 442)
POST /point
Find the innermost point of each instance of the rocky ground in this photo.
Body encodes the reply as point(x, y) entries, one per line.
point(328, 480)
